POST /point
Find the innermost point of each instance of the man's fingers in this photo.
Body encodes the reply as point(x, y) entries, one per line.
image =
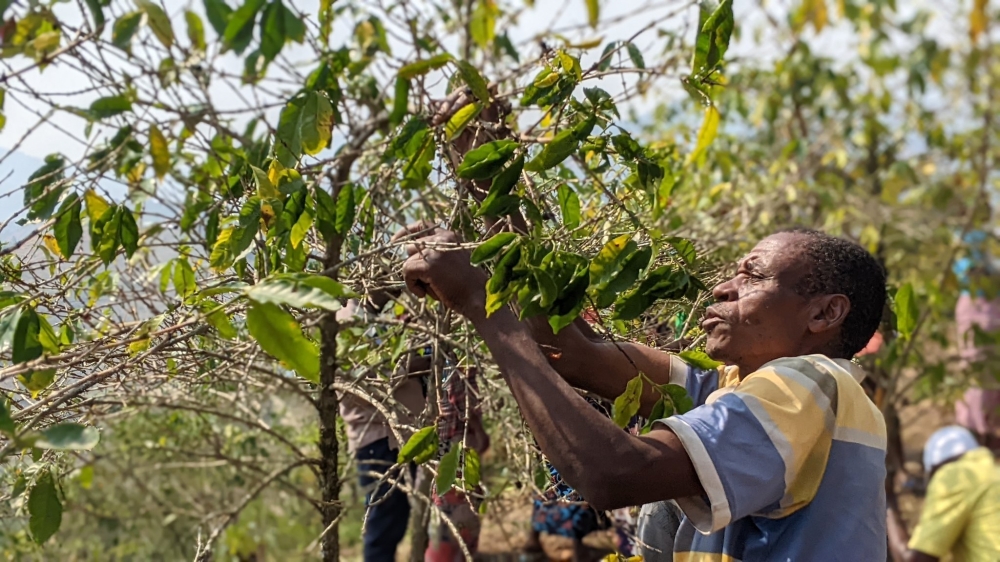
point(417, 229)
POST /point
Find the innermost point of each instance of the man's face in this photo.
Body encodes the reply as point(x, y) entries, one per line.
point(758, 316)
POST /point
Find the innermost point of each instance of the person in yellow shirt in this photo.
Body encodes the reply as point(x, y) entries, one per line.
point(961, 513)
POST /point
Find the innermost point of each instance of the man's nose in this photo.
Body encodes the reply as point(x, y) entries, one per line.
point(725, 291)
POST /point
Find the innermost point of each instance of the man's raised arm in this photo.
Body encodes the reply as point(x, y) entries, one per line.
point(608, 466)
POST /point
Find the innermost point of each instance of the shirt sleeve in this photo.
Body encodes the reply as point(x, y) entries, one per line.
point(698, 382)
point(760, 449)
point(946, 510)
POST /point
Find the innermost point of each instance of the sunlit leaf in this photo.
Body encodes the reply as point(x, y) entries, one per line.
point(706, 134)
point(420, 447)
point(627, 404)
point(159, 21)
point(280, 335)
point(448, 470)
point(423, 66)
point(907, 311)
point(492, 247)
point(699, 359)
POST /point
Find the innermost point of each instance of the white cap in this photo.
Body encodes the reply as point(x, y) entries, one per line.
point(946, 444)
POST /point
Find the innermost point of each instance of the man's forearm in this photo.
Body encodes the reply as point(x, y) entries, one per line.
point(585, 360)
point(590, 452)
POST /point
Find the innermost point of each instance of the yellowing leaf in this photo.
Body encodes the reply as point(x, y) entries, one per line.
point(709, 127)
point(96, 205)
point(978, 19)
point(593, 12)
point(460, 119)
point(160, 152)
point(265, 189)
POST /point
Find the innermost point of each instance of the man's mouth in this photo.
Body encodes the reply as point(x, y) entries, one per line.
point(711, 320)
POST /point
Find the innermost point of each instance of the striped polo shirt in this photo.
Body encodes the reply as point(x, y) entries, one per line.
point(792, 460)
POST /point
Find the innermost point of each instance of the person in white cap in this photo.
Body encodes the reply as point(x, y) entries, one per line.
point(961, 512)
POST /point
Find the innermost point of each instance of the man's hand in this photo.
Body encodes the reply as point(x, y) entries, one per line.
point(437, 268)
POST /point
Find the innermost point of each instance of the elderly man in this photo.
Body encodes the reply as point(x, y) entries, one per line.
point(961, 514)
point(783, 457)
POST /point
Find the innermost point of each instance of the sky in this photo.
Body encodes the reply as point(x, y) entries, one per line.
point(31, 132)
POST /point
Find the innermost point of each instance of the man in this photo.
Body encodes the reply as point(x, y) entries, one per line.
point(373, 444)
point(961, 513)
point(784, 461)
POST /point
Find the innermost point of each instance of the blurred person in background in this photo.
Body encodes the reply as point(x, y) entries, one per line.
point(373, 444)
point(961, 513)
point(977, 319)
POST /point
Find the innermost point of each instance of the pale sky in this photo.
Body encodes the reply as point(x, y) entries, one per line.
point(64, 132)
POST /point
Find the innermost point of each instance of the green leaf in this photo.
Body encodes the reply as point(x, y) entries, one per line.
point(498, 201)
point(593, 12)
point(218, 13)
point(44, 509)
point(717, 29)
point(636, 55)
point(346, 206)
point(184, 279)
point(626, 276)
point(423, 66)
point(160, 152)
point(709, 127)
point(216, 316)
point(541, 477)
point(312, 291)
point(475, 81)
point(608, 261)
point(560, 147)
point(159, 22)
point(26, 344)
point(68, 229)
point(714, 32)
point(907, 311)
point(685, 249)
point(448, 470)
point(37, 380)
point(68, 437)
point(699, 359)
point(472, 473)
point(110, 106)
point(627, 404)
point(239, 26)
point(7, 425)
point(124, 29)
point(195, 30)
point(569, 204)
point(461, 119)
point(129, 233)
point(399, 102)
point(487, 160)
point(97, 12)
point(272, 30)
point(420, 447)
point(280, 335)
point(492, 247)
point(315, 123)
point(44, 187)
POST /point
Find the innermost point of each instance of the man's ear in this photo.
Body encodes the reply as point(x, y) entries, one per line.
point(828, 312)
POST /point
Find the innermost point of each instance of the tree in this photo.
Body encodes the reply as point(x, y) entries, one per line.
point(174, 282)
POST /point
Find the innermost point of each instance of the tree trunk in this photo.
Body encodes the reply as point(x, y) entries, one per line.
point(328, 406)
